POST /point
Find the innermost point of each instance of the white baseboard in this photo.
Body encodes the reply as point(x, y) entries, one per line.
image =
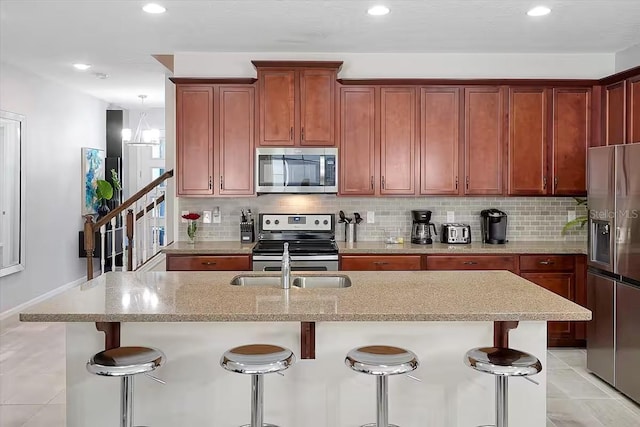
point(11, 318)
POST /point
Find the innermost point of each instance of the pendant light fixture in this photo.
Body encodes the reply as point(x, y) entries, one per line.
point(144, 135)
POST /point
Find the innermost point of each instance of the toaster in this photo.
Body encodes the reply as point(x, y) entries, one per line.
point(455, 233)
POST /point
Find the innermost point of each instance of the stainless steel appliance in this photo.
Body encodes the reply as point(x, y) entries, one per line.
point(421, 227)
point(613, 285)
point(493, 225)
point(296, 170)
point(455, 233)
point(311, 238)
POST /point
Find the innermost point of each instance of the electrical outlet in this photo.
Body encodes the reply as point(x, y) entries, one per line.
point(571, 215)
point(217, 215)
point(451, 216)
point(182, 214)
point(371, 217)
point(206, 217)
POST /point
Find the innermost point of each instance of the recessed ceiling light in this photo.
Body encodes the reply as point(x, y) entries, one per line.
point(82, 67)
point(154, 8)
point(378, 10)
point(539, 11)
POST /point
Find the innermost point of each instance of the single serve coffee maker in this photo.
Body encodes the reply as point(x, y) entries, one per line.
point(421, 228)
point(494, 226)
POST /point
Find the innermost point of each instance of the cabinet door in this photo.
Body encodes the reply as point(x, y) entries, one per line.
point(317, 107)
point(527, 141)
point(563, 284)
point(357, 140)
point(236, 140)
point(472, 262)
point(208, 262)
point(439, 140)
point(570, 140)
point(397, 141)
point(483, 142)
point(380, 263)
point(614, 111)
point(633, 110)
point(277, 107)
point(194, 147)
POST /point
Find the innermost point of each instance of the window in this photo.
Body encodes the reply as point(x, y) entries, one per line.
point(11, 196)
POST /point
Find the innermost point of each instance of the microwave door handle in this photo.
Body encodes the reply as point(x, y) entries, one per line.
point(286, 172)
point(322, 171)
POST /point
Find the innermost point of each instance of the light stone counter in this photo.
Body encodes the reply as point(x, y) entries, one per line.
point(374, 296)
point(209, 248)
point(544, 247)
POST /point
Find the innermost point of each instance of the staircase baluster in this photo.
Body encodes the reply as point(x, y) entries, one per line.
point(125, 255)
point(145, 222)
point(113, 243)
point(130, 247)
point(103, 254)
point(134, 230)
point(156, 232)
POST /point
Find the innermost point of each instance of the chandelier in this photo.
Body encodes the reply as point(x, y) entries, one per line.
point(144, 135)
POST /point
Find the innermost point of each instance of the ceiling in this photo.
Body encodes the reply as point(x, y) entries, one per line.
point(118, 38)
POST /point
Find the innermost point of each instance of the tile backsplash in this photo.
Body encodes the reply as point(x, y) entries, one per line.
point(530, 218)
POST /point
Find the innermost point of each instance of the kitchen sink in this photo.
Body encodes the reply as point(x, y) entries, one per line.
point(337, 281)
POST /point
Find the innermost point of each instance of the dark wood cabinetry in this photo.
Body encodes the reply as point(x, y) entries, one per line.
point(380, 262)
point(296, 103)
point(633, 110)
point(614, 113)
point(215, 139)
point(208, 262)
point(483, 140)
point(440, 140)
point(472, 262)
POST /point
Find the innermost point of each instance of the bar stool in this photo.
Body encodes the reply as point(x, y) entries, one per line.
point(125, 362)
point(382, 361)
point(257, 360)
point(503, 363)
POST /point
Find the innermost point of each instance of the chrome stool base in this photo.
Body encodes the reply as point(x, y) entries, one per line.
point(376, 425)
point(263, 425)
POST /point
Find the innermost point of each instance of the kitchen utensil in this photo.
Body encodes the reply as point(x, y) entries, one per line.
point(244, 217)
point(358, 218)
point(342, 217)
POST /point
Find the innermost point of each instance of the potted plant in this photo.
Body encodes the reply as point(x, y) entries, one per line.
point(104, 192)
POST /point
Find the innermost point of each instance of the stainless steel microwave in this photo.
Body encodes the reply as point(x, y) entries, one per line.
point(296, 170)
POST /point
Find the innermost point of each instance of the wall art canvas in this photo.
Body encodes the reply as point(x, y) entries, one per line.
point(92, 170)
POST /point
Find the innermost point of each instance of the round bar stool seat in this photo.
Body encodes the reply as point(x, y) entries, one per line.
point(125, 362)
point(381, 361)
point(257, 360)
point(502, 363)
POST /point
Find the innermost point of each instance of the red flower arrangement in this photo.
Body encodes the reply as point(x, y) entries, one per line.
point(192, 225)
point(192, 216)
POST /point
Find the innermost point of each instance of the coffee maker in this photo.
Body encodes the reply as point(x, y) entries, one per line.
point(494, 226)
point(421, 227)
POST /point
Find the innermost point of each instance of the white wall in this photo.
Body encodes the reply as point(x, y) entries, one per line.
point(59, 121)
point(418, 65)
point(628, 58)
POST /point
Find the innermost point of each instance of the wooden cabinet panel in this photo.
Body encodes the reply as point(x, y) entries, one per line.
point(397, 140)
point(277, 107)
point(236, 139)
point(633, 110)
point(208, 262)
point(380, 262)
point(539, 263)
point(357, 140)
point(483, 142)
point(614, 111)
point(194, 146)
point(472, 262)
point(317, 107)
point(570, 140)
point(439, 140)
point(563, 284)
point(527, 141)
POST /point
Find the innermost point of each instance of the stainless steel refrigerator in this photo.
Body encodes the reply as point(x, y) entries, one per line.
point(613, 285)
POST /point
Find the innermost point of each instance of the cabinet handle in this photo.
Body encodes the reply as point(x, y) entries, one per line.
point(291, 133)
point(372, 182)
point(210, 183)
point(456, 182)
point(383, 181)
point(467, 182)
point(221, 182)
point(380, 263)
point(544, 183)
point(209, 263)
point(555, 182)
point(469, 263)
point(546, 262)
point(302, 134)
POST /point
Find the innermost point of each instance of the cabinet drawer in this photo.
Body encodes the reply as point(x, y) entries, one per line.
point(474, 262)
point(386, 263)
point(546, 262)
point(208, 262)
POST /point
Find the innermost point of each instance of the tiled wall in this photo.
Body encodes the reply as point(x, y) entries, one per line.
point(530, 218)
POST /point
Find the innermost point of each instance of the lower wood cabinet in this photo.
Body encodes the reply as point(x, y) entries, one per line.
point(380, 262)
point(472, 262)
point(208, 262)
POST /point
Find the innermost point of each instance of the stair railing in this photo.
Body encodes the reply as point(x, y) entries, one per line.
point(144, 204)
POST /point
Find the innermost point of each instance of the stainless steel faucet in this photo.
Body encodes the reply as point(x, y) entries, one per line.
point(285, 279)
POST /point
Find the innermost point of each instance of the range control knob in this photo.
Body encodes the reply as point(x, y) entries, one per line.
point(326, 222)
point(317, 221)
point(277, 221)
point(268, 221)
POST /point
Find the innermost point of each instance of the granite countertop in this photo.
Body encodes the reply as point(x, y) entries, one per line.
point(538, 247)
point(373, 296)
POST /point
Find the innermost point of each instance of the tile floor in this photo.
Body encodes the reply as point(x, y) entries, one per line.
point(32, 388)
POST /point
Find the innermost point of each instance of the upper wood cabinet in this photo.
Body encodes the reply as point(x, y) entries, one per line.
point(483, 140)
point(296, 103)
point(215, 139)
point(614, 113)
point(527, 162)
point(439, 140)
point(633, 110)
point(570, 140)
point(378, 140)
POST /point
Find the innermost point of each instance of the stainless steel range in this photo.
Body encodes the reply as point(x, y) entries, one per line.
point(311, 239)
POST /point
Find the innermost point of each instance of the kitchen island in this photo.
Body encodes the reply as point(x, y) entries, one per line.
point(195, 317)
